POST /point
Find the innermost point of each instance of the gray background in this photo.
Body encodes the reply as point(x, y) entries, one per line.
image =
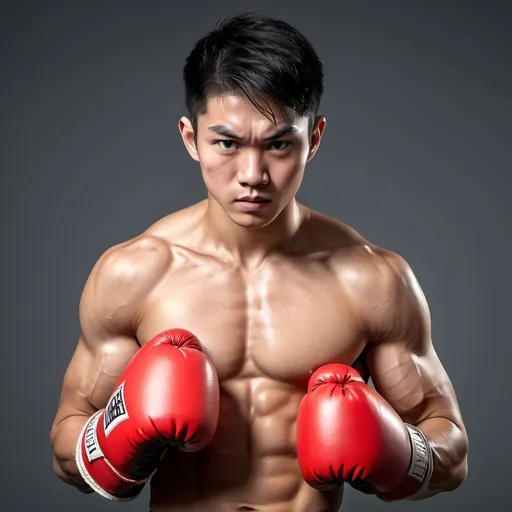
point(415, 157)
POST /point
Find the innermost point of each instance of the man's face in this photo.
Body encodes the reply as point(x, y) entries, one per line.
point(251, 167)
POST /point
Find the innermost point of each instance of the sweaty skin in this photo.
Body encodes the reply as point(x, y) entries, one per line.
point(322, 300)
point(272, 295)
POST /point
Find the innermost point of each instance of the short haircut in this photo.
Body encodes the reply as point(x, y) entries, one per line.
point(257, 57)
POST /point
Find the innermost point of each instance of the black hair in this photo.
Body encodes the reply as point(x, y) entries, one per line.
point(258, 57)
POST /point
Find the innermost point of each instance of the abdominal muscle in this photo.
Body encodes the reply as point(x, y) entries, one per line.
point(250, 464)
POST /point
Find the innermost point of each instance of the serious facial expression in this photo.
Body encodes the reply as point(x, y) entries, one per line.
point(252, 166)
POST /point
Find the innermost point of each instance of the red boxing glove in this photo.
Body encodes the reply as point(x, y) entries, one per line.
point(347, 432)
point(167, 395)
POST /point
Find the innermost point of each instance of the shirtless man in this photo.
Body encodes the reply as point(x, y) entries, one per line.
point(225, 352)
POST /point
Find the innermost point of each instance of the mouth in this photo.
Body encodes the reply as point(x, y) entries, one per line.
point(253, 199)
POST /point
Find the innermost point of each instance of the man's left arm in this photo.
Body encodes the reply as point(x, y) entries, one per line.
point(406, 370)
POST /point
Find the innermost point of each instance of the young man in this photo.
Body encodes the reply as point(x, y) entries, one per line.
point(224, 353)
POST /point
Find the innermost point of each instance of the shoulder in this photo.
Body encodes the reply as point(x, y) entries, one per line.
point(378, 282)
point(145, 255)
point(384, 272)
point(395, 275)
point(369, 273)
point(386, 293)
point(139, 263)
point(121, 279)
point(390, 269)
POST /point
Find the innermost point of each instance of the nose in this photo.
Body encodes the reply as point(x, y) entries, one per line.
point(252, 170)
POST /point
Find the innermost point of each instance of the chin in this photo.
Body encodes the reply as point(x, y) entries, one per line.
point(251, 220)
point(252, 223)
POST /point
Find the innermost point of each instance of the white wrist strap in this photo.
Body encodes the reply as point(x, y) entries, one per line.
point(91, 422)
point(422, 458)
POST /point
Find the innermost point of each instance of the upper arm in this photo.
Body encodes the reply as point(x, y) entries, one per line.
point(402, 361)
point(109, 312)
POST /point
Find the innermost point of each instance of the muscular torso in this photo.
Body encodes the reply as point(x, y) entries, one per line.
point(266, 331)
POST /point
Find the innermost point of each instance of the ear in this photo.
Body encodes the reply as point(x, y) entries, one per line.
point(187, 134)
point(316, 136)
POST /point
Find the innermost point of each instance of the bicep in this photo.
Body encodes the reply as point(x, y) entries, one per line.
point(414, 382)
point(402, 361)
point(92, 374)
point(88, 382)
point(107, 341)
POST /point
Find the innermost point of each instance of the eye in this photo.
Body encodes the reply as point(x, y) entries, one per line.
point(281, 144)
point(225, 144)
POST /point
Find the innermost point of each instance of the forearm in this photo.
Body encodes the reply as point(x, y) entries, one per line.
point(449, 446)
point(64, 438)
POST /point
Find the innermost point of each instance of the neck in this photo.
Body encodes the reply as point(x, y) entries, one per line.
point(246, 246)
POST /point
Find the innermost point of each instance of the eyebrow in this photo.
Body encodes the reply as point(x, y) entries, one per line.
point(227, 132)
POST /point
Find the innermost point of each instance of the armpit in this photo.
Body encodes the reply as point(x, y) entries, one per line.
point(360, 365)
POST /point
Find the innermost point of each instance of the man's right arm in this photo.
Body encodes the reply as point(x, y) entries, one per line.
point(109, 312)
